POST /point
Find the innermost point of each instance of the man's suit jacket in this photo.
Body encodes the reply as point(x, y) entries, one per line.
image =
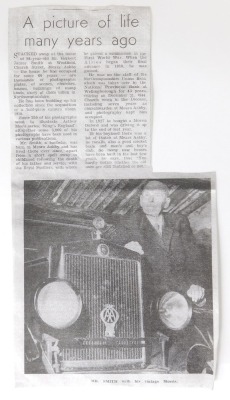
point(170, 262)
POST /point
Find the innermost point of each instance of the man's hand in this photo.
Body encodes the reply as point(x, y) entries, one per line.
point(196, 293)
point(134, 246)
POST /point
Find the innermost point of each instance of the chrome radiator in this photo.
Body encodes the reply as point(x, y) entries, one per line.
point(105, 284)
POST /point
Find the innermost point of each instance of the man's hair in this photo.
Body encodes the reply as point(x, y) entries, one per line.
point(156, 185)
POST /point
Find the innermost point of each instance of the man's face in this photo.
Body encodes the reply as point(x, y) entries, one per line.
point(153, 201)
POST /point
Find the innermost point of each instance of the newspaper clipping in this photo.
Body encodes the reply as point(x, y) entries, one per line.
point(115, 267)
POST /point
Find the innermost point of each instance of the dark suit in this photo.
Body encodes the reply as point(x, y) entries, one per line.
point(171, 262)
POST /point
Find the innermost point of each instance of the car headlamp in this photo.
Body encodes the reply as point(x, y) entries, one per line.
point(57, 304)
point(174, 310)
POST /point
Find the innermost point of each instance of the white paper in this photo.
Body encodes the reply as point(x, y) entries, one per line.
point(81, 166)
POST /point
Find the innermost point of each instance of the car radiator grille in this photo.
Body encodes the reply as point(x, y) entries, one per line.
point(103, 281)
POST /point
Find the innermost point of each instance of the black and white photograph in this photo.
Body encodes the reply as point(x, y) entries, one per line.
point(118, 276)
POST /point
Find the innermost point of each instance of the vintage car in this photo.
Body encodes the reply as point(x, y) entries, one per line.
point(86, 311)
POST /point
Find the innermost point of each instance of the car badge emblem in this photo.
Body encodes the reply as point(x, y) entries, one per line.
point(103, 250)
point(109, 316)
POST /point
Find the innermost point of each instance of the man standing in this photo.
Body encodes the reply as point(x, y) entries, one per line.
point(172, 260)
